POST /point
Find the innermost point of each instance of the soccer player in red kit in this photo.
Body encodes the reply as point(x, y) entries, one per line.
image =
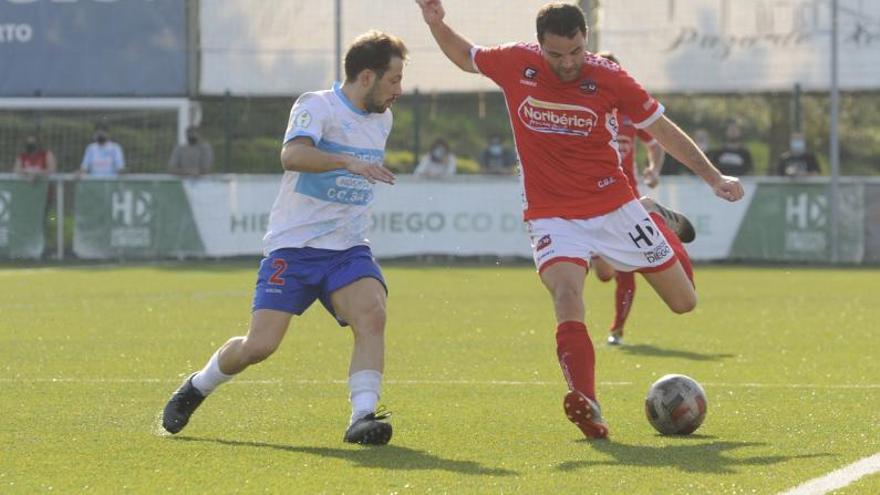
point(562, 102)
point(625, 282)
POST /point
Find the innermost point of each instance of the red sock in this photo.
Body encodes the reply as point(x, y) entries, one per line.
point(676, 245)
point(576, 357)
point(623, 298)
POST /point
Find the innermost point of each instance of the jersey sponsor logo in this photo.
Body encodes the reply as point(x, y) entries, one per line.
point(556, 118)
point(543, 242)
point(302, 119)
point(658, 253)
point(605, 182)
point(643, 233)
point(589, 87)
point(337, 186)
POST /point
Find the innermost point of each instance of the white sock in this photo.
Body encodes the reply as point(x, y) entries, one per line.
point(210, 377)
point(365, 387)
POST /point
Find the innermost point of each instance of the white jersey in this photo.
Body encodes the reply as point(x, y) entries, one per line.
point(328, 210)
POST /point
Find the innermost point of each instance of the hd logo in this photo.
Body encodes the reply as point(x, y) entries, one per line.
point(5, 216)
point(131, 215)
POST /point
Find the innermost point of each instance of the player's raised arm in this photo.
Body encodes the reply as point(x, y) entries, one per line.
point(454, 46)
point(683, 148)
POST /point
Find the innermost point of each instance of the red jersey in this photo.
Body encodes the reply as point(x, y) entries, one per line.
point(37, 161)
point(566, 132)
point(626, 144)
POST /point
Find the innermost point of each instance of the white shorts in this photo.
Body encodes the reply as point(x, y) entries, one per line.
point(627, 238)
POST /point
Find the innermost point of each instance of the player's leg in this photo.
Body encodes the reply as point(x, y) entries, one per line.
point(676, 228)
point(674, 286)
point(267, 329)
point(357, 296)
point(624, 294)
point(280, 293)
point(565, 282)
point(601, 268)
point(676, 221)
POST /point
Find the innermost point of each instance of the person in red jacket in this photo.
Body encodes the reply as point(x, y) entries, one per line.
point(34, 160)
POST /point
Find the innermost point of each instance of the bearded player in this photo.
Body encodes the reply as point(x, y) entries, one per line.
point(562, 102)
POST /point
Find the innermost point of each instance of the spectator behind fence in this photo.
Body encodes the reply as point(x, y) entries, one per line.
point(732, 158)
point(671, 166)
point(194, 158)
point(797, 161)
point(34, 160)
point(103, 157)
point(497, 158)
point(438, 163)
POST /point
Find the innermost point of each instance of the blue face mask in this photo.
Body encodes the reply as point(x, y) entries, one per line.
point(798, 146)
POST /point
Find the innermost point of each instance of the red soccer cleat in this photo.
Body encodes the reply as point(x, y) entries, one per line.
point(585, 414)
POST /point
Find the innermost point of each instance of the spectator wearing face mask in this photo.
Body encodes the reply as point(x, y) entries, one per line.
point(103, 157)
point(193, 158)
point(34, 161)
point(797, 161)
point(497, 158)
point(438, 163)
point(733, 158)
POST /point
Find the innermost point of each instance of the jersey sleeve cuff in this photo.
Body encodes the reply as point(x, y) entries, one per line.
point(474, 50)
point(293, 135)
point(651, 118)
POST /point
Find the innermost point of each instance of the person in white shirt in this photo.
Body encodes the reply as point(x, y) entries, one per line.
point(438, 163)
point(103, 157)
point(316, 246)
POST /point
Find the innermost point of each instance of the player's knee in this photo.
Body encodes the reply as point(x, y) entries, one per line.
point(370, 322)
point(684, 304)
point(254, 351)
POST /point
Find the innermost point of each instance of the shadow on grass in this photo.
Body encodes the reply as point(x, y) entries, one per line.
point(689, 456)
point(385, 457)
point(652, 350)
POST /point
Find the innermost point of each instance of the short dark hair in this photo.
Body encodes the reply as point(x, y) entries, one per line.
point(561, 19)
point(372, 50)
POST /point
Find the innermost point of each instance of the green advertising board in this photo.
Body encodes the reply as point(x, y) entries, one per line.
point(133, 219)
point(792, 222)
point(22, 214)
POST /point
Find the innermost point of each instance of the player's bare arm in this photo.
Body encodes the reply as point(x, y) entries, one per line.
point(300, 155)
point(683, 148)
point(656, 155)
point(454, 46)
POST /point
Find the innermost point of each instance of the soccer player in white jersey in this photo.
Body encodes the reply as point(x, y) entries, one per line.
point(316, 246)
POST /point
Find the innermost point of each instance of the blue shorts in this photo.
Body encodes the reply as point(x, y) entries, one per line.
point(290, 279)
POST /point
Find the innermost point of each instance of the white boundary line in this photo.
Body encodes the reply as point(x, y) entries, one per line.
point(839, 478)
point(86, 380)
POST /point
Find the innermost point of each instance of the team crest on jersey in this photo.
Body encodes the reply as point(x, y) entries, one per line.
point(589, 87)
point(302, 119)
point(530, 73)
point(556, 118)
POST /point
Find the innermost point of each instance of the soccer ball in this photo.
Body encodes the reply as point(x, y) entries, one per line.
point(676, 405)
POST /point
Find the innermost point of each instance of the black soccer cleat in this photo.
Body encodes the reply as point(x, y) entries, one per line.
point(676, 221)
point(180, 407)
point(370, 430)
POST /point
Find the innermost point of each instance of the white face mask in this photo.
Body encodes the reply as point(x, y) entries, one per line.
point(798, 146)
point(496, 149)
